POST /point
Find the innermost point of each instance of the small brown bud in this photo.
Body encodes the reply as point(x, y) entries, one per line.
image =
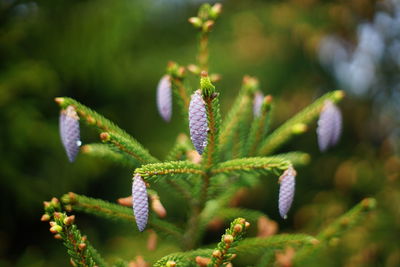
point(180, 72)
point(195, 21)
point(55, 229)
point(69, 220)
point(229, 265)
point(52, 223)
point(72, 262)
point(45, 217)
point(194, 69)
point(125, 201)
point(152, 241)
point(215, 10)
point(228, 239)
point(54, 201)
point(59, 100)
point(208, 25)
point(242, 221)
point(46, 204)
point(105, 137)
point(58, 215)
point(268, 99)
point(170, 264)
point(315, 241)
point(202, 261)
point(84, 238)
point(158, 207)
point(90, 120)
point(57, 236)
point(82, 246)
point(237, 228)
point(247, 225)
point(217, 253)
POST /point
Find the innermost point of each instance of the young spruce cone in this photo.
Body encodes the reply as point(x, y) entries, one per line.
point(70, 132)
point(286, 191)
point(198, 124)
point(329, 126)
point(257, 103)
point(140, 202)
point(164, 98)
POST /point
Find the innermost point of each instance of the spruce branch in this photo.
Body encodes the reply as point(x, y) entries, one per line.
point(109, 153)
point(241, 105)
point(205, 22)
point(96, 120)
point(288, 129)
point(256, 247)
point(252, 165)
point(223, 253)
point(297, 158)
point(129, 146)
point(90, 117)
point(337, 228)
point(181, 92)
point(170, 169)
point(108, 210)
point(78, 247)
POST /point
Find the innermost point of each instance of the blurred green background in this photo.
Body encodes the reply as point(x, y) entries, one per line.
point(110, 55)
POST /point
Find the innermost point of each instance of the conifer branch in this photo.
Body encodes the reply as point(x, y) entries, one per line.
point(259, 127)
point(90, 117)
point(177, 75)
point(256, 164)
point(109, 153)
point(255, 247)
point(242, 103)
point(171, 169)
point(286, 131)
point(113, 211)
point(297, 158)
point(337, 228)
point(128, 146)
point(63, 227)
point(223, 253)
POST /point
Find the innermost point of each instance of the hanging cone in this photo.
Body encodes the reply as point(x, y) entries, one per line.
point(329, 126)
point(164, 98)
point(70, 132)
point(198, 124)
point(140, 202)
point(286, 191)
point(257, 103)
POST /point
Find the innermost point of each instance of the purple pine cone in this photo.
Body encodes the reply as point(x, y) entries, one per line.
point(140, 202)
point(70, 132)
point(257, 103)
point(286, 191)
point(198, 124)
point(164, 98)
point(329, 126)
